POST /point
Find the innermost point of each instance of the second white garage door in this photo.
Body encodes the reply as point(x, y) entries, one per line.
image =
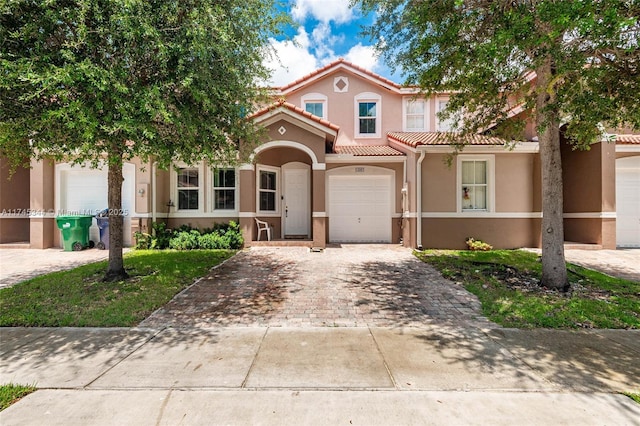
point(84, 191)
point(360, 208)
point(628, 202)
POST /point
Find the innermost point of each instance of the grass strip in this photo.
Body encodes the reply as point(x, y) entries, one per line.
point(79, 297)
point(507, 283)
point(11, 393)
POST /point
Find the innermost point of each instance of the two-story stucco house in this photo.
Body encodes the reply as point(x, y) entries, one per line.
point(350, 156)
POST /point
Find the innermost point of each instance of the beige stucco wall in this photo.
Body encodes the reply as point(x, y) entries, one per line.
point(515, 177)
point(14, 201)
point(341, 107)
point(451, 233)
point(438, 184)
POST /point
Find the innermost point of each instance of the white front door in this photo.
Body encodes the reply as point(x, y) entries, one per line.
point(296, 200)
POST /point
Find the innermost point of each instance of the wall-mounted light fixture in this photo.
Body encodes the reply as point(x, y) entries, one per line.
point(141, 192)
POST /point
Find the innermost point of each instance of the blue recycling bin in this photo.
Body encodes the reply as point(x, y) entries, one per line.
point(102, 219)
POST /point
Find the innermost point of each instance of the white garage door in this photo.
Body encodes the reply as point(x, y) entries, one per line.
point(628, 202)
point(360, 209)
point(84, 191)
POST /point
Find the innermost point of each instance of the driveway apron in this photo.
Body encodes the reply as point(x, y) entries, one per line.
point(346, 285)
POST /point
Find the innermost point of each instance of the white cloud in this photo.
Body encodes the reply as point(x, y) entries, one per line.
point(363, 56)
point(295, 60)
point(323, 42)
point(324, 11)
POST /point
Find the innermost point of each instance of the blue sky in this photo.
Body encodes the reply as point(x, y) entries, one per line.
point(324, 31)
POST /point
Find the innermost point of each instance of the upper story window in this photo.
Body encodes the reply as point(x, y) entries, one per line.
point(316, 104)
point(224, 189)
point(268, 189)
point(415, 114)
point(188, 184)
point(368, 115)
point(475, 183)
point(443, 125)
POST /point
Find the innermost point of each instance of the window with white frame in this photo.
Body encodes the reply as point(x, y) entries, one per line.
point(224, 189)
point(268, 190)
point(188, 184)
point(368, 115)
point(475, 183)
point(443, 125)
point(316, 104)
point(414, 115)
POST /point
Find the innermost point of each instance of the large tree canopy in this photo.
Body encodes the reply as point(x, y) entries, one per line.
point(569, 63)
point(110, 80)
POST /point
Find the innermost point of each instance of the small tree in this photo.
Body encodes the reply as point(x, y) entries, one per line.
point(109, 80)
point(567, 62)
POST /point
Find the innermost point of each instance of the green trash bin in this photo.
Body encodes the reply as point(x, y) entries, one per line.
point(75, 231)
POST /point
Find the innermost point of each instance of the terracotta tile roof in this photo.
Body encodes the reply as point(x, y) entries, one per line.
point(415, 139)
point(628, 139)
point(367, 150)
point(334, 64)
point(291, 107)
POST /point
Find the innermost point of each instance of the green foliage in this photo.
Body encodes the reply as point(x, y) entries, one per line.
point(483, 52)
point(79, 297)
point(11, 393)
point(507, 284)
point(221, 236)
point(112, 80)
point(82, 77)
point(184, 240)
point(480, 245)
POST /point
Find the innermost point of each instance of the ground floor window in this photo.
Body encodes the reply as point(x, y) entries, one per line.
point(224, 189)
point(474, 184)
point(188, 188)
point(268, 190)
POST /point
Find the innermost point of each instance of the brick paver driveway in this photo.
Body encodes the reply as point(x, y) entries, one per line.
point(350, 285)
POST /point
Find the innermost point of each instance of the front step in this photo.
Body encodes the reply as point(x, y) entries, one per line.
point(280, 243)
point(581, 246)
point(16, 245)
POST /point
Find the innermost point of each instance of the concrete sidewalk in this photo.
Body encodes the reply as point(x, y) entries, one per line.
point(270, 375)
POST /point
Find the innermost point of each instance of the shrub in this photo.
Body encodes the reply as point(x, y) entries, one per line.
point(184, 240)
point(159, 238)
point(478, 245)
point(220, 236)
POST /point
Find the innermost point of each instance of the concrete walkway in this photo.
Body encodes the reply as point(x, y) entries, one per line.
point(355, 335)
point(322, 375)
point(18, 265)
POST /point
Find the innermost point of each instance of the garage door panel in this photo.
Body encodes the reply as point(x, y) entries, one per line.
point(628, 202)
point(360, 208)
point(85, 191)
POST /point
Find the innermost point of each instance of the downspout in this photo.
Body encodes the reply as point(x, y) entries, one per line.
point(154, 170)
point(419, 200)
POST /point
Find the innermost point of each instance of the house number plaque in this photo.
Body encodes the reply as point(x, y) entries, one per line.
point(359, 169)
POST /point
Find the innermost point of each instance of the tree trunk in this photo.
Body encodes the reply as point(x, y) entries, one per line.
point(554, 268)
point(115, 270)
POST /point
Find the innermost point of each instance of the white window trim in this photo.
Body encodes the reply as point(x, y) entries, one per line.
point(316, 98)
point(211, 199)
point(491, 183)
point(174, 188)
point(437, 110)
point(367, 97)
point(278, 173)
point(405, 113)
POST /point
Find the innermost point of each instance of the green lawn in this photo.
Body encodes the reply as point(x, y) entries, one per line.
point(634, 396)
point(507, 284)
point(11, 393)
point(79, 297)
